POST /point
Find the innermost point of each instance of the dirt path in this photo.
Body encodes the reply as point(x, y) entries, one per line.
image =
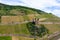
point(14, 38)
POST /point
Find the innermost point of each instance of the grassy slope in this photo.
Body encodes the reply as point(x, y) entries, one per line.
point(53, 27)
point(14, 29)
point(22, 29)
point(5, 38)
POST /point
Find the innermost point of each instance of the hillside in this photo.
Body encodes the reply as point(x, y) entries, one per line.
point(19, 14)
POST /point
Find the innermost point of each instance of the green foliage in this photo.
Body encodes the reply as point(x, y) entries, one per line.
point(5, 9)
point(43, 29)
point(37, 31)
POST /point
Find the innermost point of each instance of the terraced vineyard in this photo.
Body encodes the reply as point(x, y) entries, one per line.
point(17, 14)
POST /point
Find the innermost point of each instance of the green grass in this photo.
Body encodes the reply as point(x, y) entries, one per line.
point(53, 27)
point(14, 29)
point(26, 18)
point(5, 38)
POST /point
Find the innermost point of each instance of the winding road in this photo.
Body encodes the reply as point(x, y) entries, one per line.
point(55, 36)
